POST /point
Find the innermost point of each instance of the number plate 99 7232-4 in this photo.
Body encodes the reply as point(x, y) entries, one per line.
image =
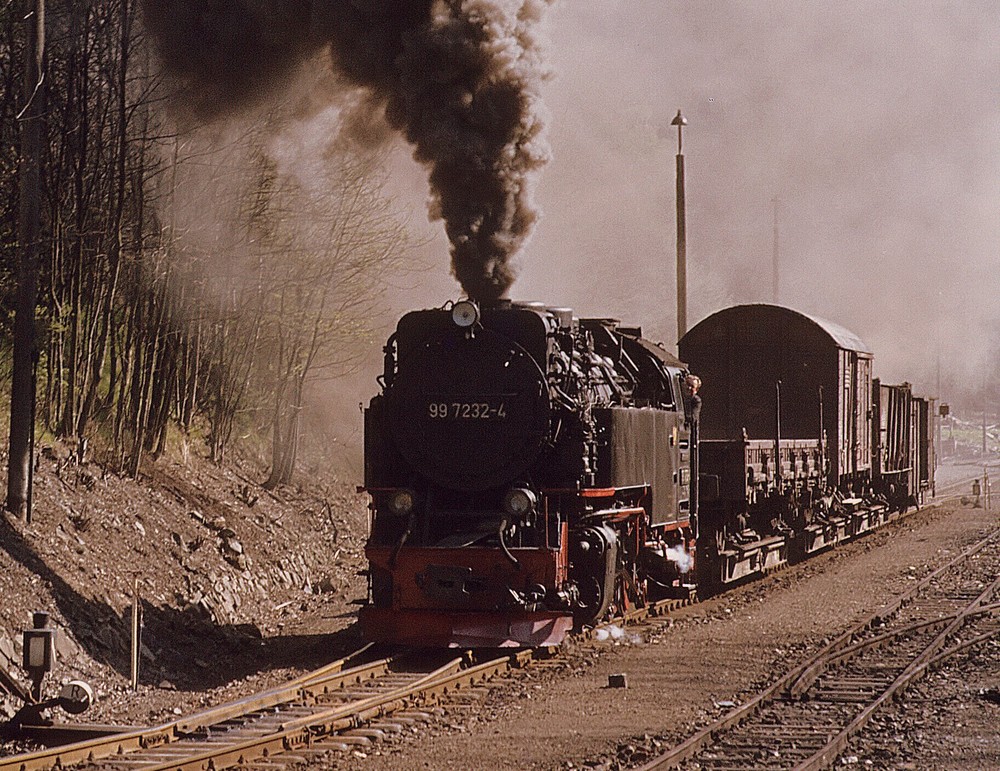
point(486, 409)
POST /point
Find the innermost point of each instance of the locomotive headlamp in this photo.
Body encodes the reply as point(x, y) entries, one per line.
point(401, 502)
point(465, 313)
point(519, 501)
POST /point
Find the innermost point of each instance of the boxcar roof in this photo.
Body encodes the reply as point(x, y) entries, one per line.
point(843, 338)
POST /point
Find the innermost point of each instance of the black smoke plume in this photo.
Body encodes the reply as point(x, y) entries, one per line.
point(458, 78)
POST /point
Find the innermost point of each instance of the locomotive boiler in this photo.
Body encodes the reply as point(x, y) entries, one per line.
point(529, 472)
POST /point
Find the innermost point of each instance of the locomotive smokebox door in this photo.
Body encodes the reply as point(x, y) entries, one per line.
point(469, 412)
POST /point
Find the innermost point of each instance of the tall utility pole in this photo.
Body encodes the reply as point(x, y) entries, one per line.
point(775, 262)
point(984, 426)
point(22, 394)
point(938, 417)
point(680, 121)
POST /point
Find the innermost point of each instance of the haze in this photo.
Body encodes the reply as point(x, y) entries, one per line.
point(874, 123)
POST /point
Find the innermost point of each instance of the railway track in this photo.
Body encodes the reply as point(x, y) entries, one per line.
point(806, 718)
point(349, 703)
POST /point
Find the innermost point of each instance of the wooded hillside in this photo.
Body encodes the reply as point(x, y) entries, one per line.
point(189, 275)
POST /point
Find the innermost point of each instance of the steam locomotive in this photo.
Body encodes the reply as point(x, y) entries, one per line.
point(531, 471)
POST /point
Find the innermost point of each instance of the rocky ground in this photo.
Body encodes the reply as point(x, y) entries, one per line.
point(236, 586)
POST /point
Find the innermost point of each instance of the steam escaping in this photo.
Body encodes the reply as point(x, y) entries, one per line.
point(458, 78)
point(679, 557)
point(616, 634)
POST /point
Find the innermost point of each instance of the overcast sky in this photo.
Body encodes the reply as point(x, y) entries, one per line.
point(875, 124)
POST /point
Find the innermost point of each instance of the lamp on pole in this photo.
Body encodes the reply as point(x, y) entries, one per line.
point(680, 121)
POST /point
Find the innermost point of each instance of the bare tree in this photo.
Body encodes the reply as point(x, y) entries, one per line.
point(326, 283)
point(95, 180)
point(159, 310)
point(281, 279)
point(98, 351)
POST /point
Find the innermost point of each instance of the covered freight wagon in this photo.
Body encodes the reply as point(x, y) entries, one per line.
point(771, 372)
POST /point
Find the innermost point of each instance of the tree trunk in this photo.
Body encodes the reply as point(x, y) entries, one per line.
point(22, 395)
point(287, 430)
point(100, 351)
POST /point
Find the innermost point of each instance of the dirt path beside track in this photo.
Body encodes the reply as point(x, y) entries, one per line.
point(698, 660)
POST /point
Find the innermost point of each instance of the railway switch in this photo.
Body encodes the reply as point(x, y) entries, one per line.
point(39, 659)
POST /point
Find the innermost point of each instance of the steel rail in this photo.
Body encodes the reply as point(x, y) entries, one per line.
point(917, 667)
point(304, 732)
point(187, 739)
point(297, 689)
point(822, 660)
point(880, 640)
point(135, 740)
point(298, 733)
point(797, 681)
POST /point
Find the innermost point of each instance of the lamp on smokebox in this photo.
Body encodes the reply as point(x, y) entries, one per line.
point(39, 651)
point(680, 121)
